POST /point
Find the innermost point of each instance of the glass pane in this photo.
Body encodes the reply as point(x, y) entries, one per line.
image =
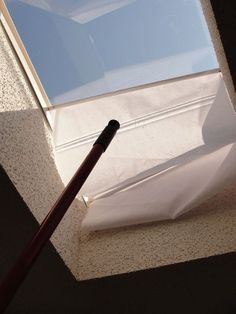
point(83, 48)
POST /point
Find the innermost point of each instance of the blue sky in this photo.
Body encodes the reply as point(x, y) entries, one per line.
point(85, 48)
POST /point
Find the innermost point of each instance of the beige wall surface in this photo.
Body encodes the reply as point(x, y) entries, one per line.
point(26, 150)
point(219, 49)
point(27, 156)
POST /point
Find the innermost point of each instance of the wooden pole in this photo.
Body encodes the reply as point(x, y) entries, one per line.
point(14, 278)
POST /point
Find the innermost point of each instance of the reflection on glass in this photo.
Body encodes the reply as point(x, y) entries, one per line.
point(83, 48)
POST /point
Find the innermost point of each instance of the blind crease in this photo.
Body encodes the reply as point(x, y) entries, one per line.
point(176, 147)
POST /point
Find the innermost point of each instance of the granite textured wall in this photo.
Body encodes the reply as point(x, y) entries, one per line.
point(27, 156)
point(27, 151)
point(216, 35)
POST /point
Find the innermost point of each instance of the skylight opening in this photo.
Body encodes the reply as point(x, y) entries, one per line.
point(81, 49)
point(155, 63)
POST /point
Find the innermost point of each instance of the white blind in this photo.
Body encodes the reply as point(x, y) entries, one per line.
point(174, 149)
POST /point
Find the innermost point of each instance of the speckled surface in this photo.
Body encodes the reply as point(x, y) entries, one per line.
point(219, 49)
point(27, 156)
point(26, 151)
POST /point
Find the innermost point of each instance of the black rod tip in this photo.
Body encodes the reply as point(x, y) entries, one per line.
point(107, 134)
point(115, 124)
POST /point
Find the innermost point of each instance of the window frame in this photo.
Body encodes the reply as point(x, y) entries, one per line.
point(36, 84)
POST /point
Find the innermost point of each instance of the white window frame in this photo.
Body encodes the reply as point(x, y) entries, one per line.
point(37, 86)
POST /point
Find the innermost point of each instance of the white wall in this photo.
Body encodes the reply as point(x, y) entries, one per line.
point(26, 150)
point(219, 49)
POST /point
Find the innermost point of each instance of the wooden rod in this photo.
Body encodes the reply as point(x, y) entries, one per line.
point(14, 278)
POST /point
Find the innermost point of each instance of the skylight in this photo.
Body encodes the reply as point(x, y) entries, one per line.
point(82, 49)
point(174, 148)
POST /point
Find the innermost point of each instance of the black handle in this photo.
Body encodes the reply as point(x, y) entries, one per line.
point(107, 134)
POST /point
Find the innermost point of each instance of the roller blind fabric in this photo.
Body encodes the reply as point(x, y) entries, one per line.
point(175, 149)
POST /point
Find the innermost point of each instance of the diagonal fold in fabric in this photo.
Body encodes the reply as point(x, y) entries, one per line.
point(176, 147)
